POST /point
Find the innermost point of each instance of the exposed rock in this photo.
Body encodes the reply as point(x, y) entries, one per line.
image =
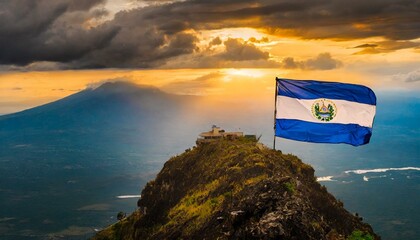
point(236, 190)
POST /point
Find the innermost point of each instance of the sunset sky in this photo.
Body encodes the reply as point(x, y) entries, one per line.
point(223, 49)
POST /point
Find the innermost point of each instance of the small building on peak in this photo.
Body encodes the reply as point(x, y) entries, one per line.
point(217, 133)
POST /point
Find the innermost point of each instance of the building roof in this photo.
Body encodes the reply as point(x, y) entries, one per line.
point(211, 134)
point(219, 134)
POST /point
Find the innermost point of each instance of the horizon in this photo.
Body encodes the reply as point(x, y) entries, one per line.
point(226, 84)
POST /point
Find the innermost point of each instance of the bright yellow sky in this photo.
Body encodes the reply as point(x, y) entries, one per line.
point(21, 90)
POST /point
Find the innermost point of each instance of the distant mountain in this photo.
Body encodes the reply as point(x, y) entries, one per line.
point(237, 189)
point(113, 110)
point(111, 104)
point(81, 152)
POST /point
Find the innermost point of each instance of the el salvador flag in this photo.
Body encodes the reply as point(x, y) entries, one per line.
point(324, 112)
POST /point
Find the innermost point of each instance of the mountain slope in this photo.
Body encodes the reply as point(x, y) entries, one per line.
point(113, 103)
point(237, 190)
point(118, 112)
point(84, 150)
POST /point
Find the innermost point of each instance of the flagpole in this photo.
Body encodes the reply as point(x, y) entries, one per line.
point(275, 113)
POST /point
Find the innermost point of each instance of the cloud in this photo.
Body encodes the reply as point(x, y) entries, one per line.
point(262, 40)
point(55, 32)
point(323, 61)
point(36, 66)
point(94, 85)
point(396, 20)
point(367, 45)
point(197, 86)
point(48, 31)
point(311, 19)
point(215, 41)
point(237, 50)
point(386, 46)
point(74, 34)
point(413, 76)
point(235, 53)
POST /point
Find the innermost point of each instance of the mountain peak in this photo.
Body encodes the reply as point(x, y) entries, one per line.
point(97, 108)
point(237, 189)
point(121, 86)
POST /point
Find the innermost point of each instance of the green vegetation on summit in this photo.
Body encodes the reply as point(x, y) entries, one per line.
point(237, 189)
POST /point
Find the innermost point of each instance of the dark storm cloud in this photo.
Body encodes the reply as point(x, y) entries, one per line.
point(340, 19)
point(43, 31)
point(139, 48)
point(24, 18)
point(343, 19)
point(323, 61)
point(55, 31)
point(235, 52)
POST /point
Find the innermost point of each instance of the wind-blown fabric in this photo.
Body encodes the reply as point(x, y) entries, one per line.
point(324, 112)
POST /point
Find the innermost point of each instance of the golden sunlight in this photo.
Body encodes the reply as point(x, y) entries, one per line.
point(243, 33)
point(244, 72)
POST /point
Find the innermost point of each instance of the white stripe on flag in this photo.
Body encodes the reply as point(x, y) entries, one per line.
point(347, 112)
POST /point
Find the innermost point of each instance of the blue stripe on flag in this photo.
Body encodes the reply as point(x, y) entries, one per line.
point(323, 133)
point(309, 89)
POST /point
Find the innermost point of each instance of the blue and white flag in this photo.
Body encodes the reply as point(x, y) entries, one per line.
point(324, 112)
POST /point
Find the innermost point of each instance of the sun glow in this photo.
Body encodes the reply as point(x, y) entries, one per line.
point(245, 72)
point(243, 33)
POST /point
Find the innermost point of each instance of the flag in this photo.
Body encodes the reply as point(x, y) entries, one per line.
point(324, 112)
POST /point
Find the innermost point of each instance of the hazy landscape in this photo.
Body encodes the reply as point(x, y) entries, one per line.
point(97, 152)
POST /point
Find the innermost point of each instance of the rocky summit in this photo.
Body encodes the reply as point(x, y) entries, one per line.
point(237, 189)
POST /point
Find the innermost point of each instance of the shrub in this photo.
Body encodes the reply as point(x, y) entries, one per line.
point(290, 187)
point(121, 216)
point(360, 235)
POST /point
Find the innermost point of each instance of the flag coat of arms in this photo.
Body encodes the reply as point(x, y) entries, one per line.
point(324, 112)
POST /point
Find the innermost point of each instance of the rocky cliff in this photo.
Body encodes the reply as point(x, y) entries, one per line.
point(237, 189)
